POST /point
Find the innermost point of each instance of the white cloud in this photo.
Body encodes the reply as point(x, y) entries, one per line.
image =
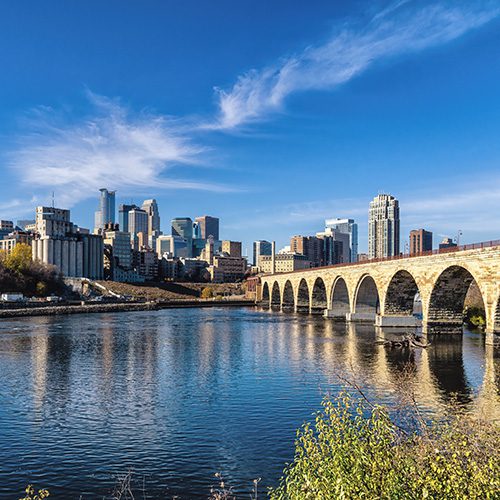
point(400, 28)
point(112, 148)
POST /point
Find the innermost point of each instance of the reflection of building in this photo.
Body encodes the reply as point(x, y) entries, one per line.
point(208, 227)
point(261, 247)
point(106, 212)
point(346, 226)
point(383, 227)
point(59, 242)
point(420, 241)
point(285, 263)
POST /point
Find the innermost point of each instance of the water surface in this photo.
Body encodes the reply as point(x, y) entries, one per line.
point(177, 395)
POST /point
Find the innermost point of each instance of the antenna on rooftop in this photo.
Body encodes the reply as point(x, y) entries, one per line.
point(53, 200)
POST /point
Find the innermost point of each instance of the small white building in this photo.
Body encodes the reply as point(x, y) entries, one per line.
point(12, 297)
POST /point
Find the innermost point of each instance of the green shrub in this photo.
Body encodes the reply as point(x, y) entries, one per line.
point(355, 451)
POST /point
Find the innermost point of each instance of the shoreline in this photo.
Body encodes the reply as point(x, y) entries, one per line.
point(119, 307)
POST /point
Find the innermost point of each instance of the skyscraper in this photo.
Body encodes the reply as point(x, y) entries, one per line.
point(336, 246)
point(346, 226)
point(123, 212)
point(383, 227)
point(260, 248)
point(208, 226)
point(138, 227)
point(183, 228)
point(106, 212)
point(151, 208)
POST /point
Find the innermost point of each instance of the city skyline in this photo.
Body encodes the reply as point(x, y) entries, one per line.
point(379, 120)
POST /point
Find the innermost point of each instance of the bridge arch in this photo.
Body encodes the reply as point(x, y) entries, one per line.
point(265, 302)
point(366, 299)
point(288, 300)
point(400, 295)
point(447, 299)
point(319, 298)
point(496, 317)
point(303, 305)
point(339, 299)
point(276, 297)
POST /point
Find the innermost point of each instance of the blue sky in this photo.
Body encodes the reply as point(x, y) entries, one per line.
point(270, 115)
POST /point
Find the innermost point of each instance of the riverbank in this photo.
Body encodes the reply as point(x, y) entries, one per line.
point(56, 310)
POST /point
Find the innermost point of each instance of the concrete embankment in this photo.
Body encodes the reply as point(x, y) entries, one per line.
point(99, 308)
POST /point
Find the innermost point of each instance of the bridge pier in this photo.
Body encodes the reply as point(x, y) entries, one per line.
point(333, 314)
point(397, 321)
point(361, 317)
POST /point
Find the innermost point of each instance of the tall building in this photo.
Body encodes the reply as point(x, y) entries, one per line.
point(123, 214)
point(346, 226)
point(420, 241)
point(59, 242)
point(310, 246)
point(138, 227)
point(261, 247)
point(383, 227)
point(151, 208)
point(183, 228)
point(208, 226)
point(336, 247)
point(106, 212)
point(232, 248)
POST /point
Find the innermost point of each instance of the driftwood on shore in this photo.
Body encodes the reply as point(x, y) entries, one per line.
point(406, 342)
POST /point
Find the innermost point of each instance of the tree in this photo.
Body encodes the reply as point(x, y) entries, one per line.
point(19, 259)
point(207, 293)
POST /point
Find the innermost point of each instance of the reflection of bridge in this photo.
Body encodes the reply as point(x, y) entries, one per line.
point(384, 291)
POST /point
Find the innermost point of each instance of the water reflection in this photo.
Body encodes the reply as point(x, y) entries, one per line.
point(180, 394)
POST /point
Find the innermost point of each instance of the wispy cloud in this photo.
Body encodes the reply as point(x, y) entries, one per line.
point(398, 29)
point(112, 147)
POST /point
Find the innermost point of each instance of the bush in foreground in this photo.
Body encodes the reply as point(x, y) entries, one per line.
point(354, 450)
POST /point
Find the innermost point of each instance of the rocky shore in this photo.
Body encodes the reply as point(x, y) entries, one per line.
point(54, 310)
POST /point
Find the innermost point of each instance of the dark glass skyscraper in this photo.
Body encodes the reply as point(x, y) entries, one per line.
point(208, 226)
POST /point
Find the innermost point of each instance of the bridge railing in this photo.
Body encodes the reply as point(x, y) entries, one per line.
point(438, 251)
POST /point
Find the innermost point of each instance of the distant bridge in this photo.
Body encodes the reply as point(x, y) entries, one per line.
point(383, 291)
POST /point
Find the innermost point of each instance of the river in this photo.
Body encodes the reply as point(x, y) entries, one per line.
point(177, 395)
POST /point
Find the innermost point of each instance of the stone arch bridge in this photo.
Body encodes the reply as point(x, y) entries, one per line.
point(384, 291)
